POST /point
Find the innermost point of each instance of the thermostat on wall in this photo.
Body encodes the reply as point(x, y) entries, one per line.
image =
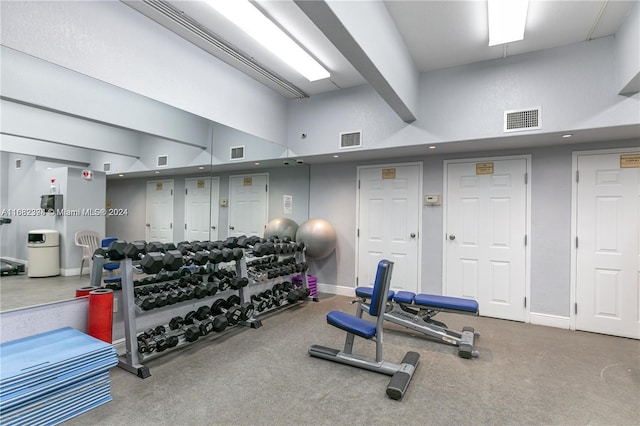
point(432, 200)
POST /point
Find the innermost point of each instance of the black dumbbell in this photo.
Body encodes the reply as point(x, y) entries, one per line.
point(116, 249)
point(205, 326)
point(152, 262)
point(259, 302)
point(155, 247)
point(237, 283)
point(219, 321)
point(191, 332)
point(135, 250)
point(172, 260)
point(232, 309)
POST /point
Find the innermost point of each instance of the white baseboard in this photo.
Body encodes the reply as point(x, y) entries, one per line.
point(550, 320)
point(70, 272)
point(336, 289)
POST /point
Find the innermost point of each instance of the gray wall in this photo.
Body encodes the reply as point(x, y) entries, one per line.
point(333, 197)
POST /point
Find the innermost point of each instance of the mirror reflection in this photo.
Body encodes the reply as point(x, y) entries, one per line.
point(124, 166)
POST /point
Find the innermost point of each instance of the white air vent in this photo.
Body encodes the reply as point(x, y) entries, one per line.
point(237, 153)
point(351, 140)
point(106, 167)
point(523, 119)
point(163, 161)
point(18, 164)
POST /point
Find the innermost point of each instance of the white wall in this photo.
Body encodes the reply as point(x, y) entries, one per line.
point(627, 54)
point(112, 42)
point(574, 85)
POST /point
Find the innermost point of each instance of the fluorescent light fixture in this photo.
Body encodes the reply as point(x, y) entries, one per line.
point(250, 20)
point(507, 19)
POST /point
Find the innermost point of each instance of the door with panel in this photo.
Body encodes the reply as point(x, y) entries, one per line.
point(248, 204)
point(201, 208)
point(485, 234)
point(607, 223)
point(159, 215)
point(389, 217)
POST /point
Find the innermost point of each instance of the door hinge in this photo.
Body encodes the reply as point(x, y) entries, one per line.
point(172, 192)
point(170, 225)
point(185, 226)
point(525, 302)
point(526, 178)
point(266, 188)
point(575, 308)
point(358, 183)
point(525, 240)
point(186, 191)
point(358, 233)
point(577, 176)
point(357, 281)
point(576, 242)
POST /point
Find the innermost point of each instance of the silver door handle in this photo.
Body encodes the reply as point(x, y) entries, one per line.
point(213, 227)
point(452, 237)
point(413, 235)
point(147, 224)
point(232, 228)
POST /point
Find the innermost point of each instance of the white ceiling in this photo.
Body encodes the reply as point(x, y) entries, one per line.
point(438, 34)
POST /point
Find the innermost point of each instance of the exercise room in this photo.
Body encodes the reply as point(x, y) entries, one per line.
point(284, 212)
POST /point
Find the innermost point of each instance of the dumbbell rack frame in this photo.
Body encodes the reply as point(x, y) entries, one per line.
point(245, 293)
point(132, 360)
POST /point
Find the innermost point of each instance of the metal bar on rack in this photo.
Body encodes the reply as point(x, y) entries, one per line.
point(129, 361)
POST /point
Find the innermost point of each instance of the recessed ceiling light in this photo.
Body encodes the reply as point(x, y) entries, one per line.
point(157, 172)
point(567, 135)
point(120, 175)
point(432, 147)
point(336, 156)
point(201, 168)
point(507, 19)
point(257, 163)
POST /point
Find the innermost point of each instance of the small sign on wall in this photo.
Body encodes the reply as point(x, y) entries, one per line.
point(247, 181)
point(159, 186)
point(389, 173)
point(287, 204)
point(630, 161)
point(200, 183)
point(87, 174)
point(484, 168)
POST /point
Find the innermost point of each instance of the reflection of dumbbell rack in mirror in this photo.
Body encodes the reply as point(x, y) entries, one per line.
point(188, 276)
point(271, 266)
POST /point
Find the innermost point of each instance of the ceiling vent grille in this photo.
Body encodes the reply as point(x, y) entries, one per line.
point(237, 153)
point(350, 140)
point(163, 161)
point(523, 119)
point(106, 167)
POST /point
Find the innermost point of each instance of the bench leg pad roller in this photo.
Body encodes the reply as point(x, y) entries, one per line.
point(400, 380)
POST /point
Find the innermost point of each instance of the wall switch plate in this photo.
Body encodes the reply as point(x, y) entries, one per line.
point(432, 200)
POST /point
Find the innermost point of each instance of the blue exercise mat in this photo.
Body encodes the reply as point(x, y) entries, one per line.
point(51, 377)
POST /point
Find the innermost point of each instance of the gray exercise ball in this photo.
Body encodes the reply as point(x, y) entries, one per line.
point(281, 227)
point(318, 236)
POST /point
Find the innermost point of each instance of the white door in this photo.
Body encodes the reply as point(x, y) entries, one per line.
point(389, 217)
point(201, 208)
point(608, 244)
point(159, 211)
point(248, 208)
point(485, 234)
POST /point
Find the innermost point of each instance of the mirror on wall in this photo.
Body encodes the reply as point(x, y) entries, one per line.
point(57, 125)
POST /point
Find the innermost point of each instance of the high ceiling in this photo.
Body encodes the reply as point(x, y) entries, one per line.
point(437, 34)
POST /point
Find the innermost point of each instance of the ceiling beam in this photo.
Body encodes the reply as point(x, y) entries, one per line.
point(366, 35)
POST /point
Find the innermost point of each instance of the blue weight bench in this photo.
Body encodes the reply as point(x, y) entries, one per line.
point(416, 311)
point(357, 326)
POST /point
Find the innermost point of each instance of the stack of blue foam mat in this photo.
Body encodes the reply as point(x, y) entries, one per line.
point(51, 377)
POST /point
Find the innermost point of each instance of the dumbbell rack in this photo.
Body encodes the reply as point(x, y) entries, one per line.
point(245, 292)
point(132, 360)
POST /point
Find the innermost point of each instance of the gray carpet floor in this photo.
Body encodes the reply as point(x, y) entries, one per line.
point(525, 375)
